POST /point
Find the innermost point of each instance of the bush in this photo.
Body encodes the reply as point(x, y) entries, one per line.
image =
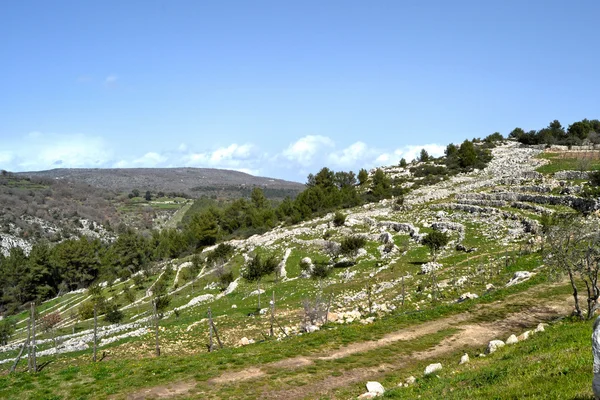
point(113, 314)
point(220, 253)
point(339, 219)
point(225, 279)
point(351, 244)
point(7, 328)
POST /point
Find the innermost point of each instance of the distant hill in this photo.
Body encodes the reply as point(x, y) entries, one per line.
point(194, 182)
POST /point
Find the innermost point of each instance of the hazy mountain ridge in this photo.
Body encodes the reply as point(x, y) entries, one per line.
point(192, 181)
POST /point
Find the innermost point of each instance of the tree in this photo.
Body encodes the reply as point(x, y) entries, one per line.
point(7, 328)
point(467, 155)
point(49, 322)
point(435, 241)
point(516, 133)
point(403, 163)
point(113, 314)
point(381, 185)
point(424, 156)
point(148, 196)
point(257, 268)
point(573, 248)
point(258, 199)
point(363, 176)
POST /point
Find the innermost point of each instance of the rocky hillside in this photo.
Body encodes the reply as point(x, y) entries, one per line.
point(348, 302)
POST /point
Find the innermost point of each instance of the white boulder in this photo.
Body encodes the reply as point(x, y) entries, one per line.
point(512, 339)
point(494, 345)
point(431, 368)
point(464, 359)
point(375, 387)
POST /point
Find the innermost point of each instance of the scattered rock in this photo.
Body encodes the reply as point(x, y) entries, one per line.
point(494, 345)
point(429, 267)
point(431, 368)
point(467, 296)
point(410, 381)
point(540, 328)
point(524, 336)
point(489, 287)
point(464, 359)
point(311, 328)
point(520, 276)
point(512, 339)
point(233, 306)
point(375, 387)
point(367, 395)
point(244, 341)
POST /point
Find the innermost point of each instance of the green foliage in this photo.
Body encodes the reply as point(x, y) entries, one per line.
point(112, 313)
point(225, 279)
point(363, 176)
point(423, 156)
point(350, 245)
point(321, 270)
point(381, 185)
point(7, 328)
point(435, 241)
point(403, 163)
point(494, 137)
point(339, 218)
point(576, 134)
point(220, 254)
point(258, 267)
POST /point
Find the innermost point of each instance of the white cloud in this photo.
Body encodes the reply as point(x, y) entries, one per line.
point(356, 153)
point(412, 152)
point(151, 159)
point(111, 80)
point(245, 158)
point(39, 151)
point(305, 149)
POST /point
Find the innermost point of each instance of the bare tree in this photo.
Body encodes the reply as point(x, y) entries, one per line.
point(574, 249)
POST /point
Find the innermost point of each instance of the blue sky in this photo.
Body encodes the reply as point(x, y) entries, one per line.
point(283, 88)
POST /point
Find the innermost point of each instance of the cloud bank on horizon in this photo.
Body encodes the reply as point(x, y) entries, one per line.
point(40, 151)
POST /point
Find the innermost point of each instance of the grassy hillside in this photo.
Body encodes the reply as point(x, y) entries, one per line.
point(389, 315)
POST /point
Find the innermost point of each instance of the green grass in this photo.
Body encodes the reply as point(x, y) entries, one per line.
point(556, 364)
point(557, 163)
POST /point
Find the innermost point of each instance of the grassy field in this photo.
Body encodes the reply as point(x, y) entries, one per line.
point(569, 161)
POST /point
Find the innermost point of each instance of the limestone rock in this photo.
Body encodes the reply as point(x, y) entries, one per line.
point(524, 336)
point(540, 328)
point(520, 276)
point(410, 380)
point(512, 339)
point(429, 267)
point(467, 296)
point(431, 368)
point(311, 328)
point(464, 359)
point(332, 317)
point(494, 345)
point(375, 387)
point(367, 395)
point(244, 341)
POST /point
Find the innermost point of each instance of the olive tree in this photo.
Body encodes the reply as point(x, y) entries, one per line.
point(573, 249)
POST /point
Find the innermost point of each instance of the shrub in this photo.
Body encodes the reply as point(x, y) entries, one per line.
point(351, 244)
point(339, 219)
point(225, 279)
point(113, 314)
point(7, 328)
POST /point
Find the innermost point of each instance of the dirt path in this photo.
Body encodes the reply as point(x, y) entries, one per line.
point(471, 334)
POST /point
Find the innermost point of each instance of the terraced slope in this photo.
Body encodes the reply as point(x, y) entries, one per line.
point(388, 314)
